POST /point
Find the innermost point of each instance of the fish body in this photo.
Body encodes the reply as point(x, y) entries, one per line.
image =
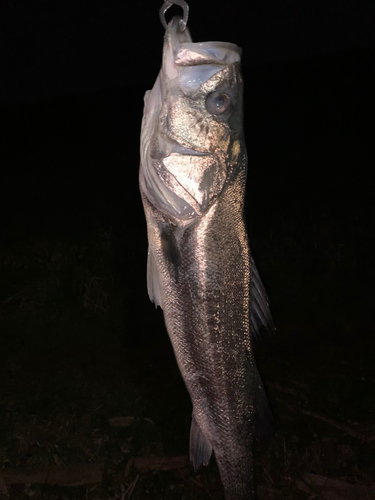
point(200, 271)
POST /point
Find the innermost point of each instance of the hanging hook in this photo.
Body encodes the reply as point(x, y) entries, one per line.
point(167, 4)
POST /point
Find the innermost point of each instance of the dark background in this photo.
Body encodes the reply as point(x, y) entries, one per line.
point(72, 80)
point(73, 76)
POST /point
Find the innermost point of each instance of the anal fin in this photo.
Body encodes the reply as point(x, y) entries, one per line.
point(200, 448)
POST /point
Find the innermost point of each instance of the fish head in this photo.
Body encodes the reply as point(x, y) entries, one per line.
point(192, 131)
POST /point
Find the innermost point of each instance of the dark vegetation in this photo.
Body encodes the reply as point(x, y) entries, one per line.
point(92, 405)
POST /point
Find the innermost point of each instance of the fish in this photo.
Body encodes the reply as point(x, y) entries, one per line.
point(192, 177)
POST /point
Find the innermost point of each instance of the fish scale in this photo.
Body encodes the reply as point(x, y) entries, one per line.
point(200, 270)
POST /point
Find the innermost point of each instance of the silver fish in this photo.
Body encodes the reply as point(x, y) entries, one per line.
point(200, 271)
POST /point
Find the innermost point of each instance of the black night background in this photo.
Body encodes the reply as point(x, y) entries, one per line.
point(92, 405)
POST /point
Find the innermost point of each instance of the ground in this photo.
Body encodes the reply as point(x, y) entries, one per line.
point(92, 405)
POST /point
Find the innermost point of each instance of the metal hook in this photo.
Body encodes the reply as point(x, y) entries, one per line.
point(167, 4)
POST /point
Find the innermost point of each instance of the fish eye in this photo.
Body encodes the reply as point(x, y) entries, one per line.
point(219, 103)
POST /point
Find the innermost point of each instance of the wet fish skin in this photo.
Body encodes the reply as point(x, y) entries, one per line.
point(192, 181)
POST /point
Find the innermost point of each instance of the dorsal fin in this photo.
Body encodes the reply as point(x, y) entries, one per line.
point(260, 314)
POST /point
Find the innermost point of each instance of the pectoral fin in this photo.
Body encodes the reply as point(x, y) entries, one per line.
point(153, 281)
point(170, 248)
point(200, 448)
